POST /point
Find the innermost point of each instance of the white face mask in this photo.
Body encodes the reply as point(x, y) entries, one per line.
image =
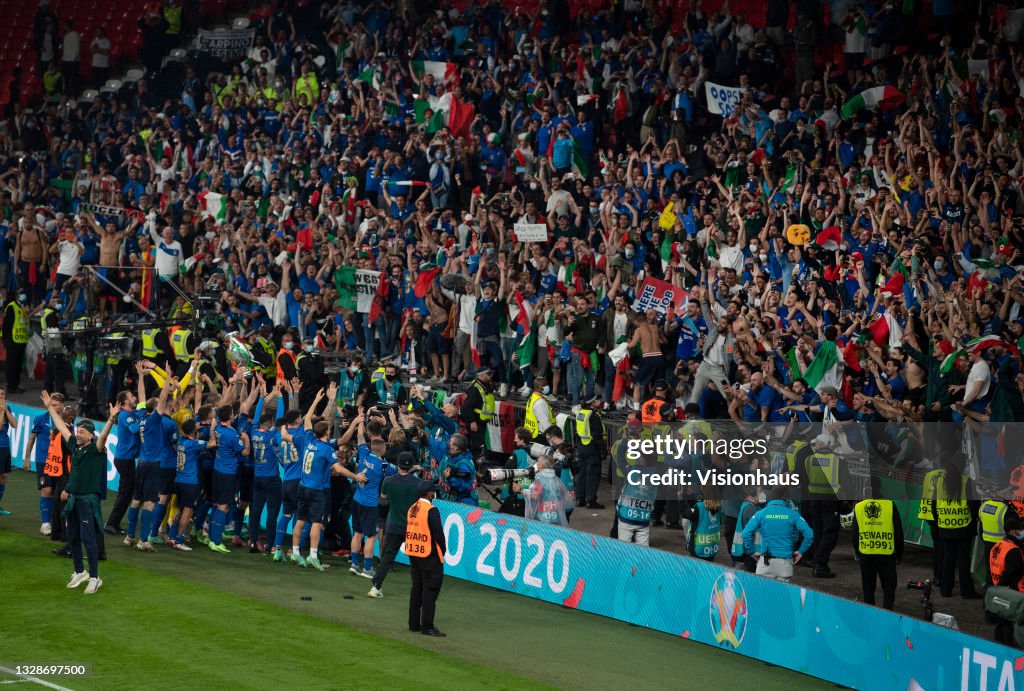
point(763, 257)
point(753, 249)
point(533, 185)
point(288, 345)
point(353, 370)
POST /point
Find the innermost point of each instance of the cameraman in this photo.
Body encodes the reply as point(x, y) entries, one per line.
point(547, 497)
point(567, 462)
point(455, 468)
point(512, 493)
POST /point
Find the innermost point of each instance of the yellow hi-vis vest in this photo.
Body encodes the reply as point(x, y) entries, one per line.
point(823, 474)
point(179, 344)
point(487, 412)
point(991, 516)
point(583, 427)
point(149, 350)
point(926, 512)
point(876, 532)
point(791, 454)
point(952, 514)
point(20, 328)
point(531, 423)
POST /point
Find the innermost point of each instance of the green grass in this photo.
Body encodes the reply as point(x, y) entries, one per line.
point(238, 621)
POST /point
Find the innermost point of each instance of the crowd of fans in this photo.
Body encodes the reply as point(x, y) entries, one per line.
point(814, 221)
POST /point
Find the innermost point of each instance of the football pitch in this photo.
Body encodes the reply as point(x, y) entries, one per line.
point(204, 620)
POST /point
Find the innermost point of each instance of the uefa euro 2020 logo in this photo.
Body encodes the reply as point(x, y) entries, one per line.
point(728, 610)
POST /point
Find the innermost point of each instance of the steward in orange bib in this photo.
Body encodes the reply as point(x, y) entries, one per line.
point(1006, 566)
point(425, 547)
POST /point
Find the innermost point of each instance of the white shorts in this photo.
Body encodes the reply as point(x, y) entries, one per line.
point(640, 534)
point(779, 569)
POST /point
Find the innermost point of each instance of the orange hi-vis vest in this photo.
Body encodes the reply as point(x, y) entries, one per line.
point(997, 562)
point(651, 411)
point(280, 372)
point(418, 542)
point(54, 458)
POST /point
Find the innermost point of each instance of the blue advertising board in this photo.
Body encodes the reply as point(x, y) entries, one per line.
point(828, 637)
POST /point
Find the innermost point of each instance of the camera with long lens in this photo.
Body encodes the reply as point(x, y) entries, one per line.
point(497, 476)
point(563, 455)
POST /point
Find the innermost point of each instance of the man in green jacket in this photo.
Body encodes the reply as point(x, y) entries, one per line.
point(81, 497)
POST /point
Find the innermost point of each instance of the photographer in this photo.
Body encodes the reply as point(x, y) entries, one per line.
point(455, 468)
point(512, 493)
point(547, 497)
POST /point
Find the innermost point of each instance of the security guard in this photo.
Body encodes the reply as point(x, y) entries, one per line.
point(797, 454)
point(926, 513)
point(591, 448)
point(1006, 567)
point(824, 484)
point(286, 359)
point(183, 345)
point(15, 338)
point(879, 544)
point(478, 408)
point(312, 377)
point(538, 411)
point(778, 525)
point(263, 352)
point(425, 547)
point(991, 516)
point(955, 516)
point(156, 347)
point(54, 355)
point(650, 411)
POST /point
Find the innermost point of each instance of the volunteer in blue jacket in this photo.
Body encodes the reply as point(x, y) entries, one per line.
point(456, 468)
point(778, 524)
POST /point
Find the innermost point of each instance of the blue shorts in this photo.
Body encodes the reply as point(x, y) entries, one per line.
point(647, 370)
point(436, 342)
point(148, 479)
point(188, 496)
point(5, 459)
point(167, 483)
point(223, 488)
point(364, 519)
point(289, 497)
point(313, 504)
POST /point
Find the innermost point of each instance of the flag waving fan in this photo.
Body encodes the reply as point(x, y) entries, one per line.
point(875, 98)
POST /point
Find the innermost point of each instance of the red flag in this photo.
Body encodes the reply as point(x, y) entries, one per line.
point(829, 238)
point(523, 319)
point(621, 110)
point(383, 289)
point(424, 281)
point(894, 286)
point(460, 117)
point(851, 356)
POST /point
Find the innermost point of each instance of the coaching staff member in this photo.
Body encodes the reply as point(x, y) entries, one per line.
point(425, 547)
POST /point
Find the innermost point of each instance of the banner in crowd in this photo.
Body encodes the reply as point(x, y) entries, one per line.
point(722, 100)
point(103, 210)
point(531, 232)
point(356, 288)
point(659, 295)
point(828, 637)
point(225, 43)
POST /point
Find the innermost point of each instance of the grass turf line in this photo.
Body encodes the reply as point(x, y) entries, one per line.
point(238, 621)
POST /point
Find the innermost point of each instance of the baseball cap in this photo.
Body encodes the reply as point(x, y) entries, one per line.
point(425, 487)
point(830, 390)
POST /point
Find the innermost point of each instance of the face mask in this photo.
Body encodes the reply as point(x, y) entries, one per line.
point(439, 157)
point(533, 185)
point(629, 254)
point(308, 348)
point(353, 370)
point(288, 345)
point(389, 377)
point(938, 264)
point(22, 297)
point(763, 257)
point(753, 249)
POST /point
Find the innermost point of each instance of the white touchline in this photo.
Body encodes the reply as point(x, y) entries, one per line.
point(36, 680)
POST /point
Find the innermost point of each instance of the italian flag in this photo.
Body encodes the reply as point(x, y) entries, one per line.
point(371, 77)
point(886, 331)
point(214, 206)
point(875, 98)
point(440, 71)
point(447, 111)
point(501, 429)
point(826, 369)
point(974, 346)
point(791, 179)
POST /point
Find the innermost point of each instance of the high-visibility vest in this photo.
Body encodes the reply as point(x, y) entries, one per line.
point(267, 347)
point(991, 515)
point(149, 350)
point(876, 531)
point(791, 454)
point(707, 534)
point(583, 427)
point(280, 372)
point(823, 474)
point(113, 359)
point(172, 15)
point(618, 449)
point(997, 562)
point(418, 542)
point(650, 411)
point(54, 466)
point(952, 514)
point(531, 423)
point(20, 328)
point(487, 412)
point(179, 344)
point(926, 512)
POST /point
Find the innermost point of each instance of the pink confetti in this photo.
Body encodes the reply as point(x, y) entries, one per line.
point(1018, 664)
point(474, 515)
point(909, 644)
point(685, 634)
point(501, 521)
point(634, 570)
point(593, 543)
